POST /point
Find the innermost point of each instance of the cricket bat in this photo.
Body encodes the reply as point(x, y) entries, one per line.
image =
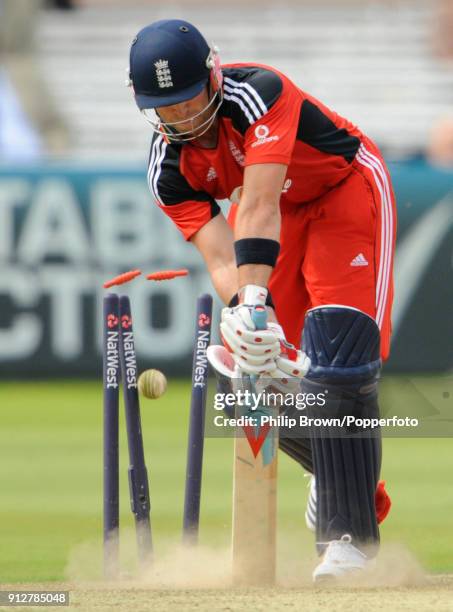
point(255, 494)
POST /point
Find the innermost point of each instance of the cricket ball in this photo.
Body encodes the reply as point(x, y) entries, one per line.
point(152, 384)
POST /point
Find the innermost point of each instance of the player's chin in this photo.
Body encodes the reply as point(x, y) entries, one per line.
point(198, 131)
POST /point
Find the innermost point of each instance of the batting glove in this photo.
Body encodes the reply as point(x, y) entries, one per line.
point(264, 352)
point(253, 350)
point(290, 362)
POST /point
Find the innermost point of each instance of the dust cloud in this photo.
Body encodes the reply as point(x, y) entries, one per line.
point(177, 567)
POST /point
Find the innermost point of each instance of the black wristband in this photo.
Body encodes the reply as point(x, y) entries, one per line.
point(256, 251)
point(235, 301)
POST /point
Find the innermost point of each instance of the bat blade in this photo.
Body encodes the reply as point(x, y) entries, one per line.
point(255, 507)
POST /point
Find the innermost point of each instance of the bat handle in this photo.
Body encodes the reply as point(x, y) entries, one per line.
point(259, 317)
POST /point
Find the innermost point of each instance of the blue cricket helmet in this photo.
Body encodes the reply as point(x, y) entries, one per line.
point(169, 63)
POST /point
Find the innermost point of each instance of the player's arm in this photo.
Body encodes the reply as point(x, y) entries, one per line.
point(268, 146)
point(257, 227)
point(215, 243)
point(259, 215)
point(269, 127)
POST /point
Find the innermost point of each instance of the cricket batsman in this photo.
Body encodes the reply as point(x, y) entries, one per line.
point(310, 236)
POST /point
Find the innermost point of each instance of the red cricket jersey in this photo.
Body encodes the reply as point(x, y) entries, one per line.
point(337, 244)
point(264, 118)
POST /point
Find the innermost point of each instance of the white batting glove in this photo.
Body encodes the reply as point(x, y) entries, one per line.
point(254, 351)
point(291, 363)
point(260, 352)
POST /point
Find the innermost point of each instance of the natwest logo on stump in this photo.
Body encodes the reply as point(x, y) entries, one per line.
point(112, 321)
point(203, 320)
point(126, 321)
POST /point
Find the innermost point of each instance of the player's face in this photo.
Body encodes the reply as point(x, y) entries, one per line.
point(194, 119)
point(189, 115)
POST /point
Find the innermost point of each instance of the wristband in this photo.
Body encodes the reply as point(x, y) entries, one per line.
point(256, 251)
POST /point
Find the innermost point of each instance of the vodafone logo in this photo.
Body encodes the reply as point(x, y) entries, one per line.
point(262, 133)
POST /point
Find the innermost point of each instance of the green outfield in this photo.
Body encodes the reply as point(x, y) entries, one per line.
point(51, 485)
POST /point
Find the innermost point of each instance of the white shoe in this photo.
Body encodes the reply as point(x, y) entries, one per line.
point(310, 512)
point(340, 558)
